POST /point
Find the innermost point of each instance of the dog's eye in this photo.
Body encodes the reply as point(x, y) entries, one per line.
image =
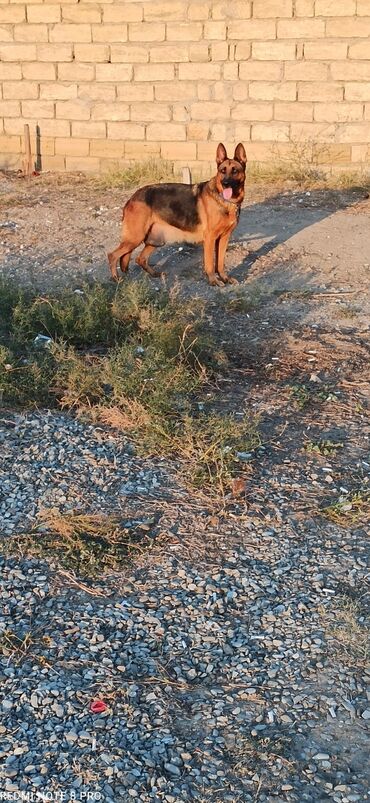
point(223, 170)
point(234, 170)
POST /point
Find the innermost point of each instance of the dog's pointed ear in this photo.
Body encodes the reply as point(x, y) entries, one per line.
point(221, 154)
point(240, 154)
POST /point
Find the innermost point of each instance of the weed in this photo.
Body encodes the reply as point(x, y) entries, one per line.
point(85, 543)
point(349, 510)
point(349, 636)
point(301, 395)
point(152, 171)
point(240, 302)
point(135, 358)
point(323, 447)
point(15, 647)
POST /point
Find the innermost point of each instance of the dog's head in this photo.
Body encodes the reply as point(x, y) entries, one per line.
point(230, 177)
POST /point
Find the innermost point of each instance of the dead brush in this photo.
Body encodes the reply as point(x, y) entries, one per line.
point(349, 510)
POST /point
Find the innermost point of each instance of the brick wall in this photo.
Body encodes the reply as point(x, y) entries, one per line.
point(105, 83)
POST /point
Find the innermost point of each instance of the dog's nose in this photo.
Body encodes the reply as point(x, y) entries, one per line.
point(226, 182)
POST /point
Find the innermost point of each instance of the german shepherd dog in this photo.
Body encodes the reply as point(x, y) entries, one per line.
point(194, 213)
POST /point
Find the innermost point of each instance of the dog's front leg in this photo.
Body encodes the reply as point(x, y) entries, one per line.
point(209, 261)
point(221, 247)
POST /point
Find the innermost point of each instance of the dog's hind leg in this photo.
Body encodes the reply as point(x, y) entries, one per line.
point(143, 261)
point(122, 253)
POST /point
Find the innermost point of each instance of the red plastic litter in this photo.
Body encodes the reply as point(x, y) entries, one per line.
point(98, 706)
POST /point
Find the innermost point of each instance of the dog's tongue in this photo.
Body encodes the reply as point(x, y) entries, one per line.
point(227, 193)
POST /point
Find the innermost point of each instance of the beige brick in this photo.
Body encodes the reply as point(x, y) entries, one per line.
point(223, 90)
point(318, 91)
point(104, 149)
point(300, 28)
point(39, 71)
point(14, 125)
point(154, 72)
point(122, 13)
point(146, 32)
point(89, 92)
point(252, 29)
point(10, 144)
point(30, 33)
point(305, 71)
point(359, 153)
point(169, 53)
point(205, 91)
point(253, 112)
point(93, 53)
point(172, 132)
point(55, 53)
point(58, 91)
point(149, 112)
point(214, 30)
point(206, 150)
point(10, 72)
point(357, 91)
point(69, 33)
point(338, 112)
point(82, 12)
point(38, 108)
point(259, 152)
point(200, 51)
point(272, 8)
point(273, 51)
point(10, 108)
point(198, 11)
point(304, 8)
point(176, 91)
point(87, 164)
point(78, 72)
point(243, 51)
point(293, 111)
point(109, 33)
point(136, 92)
point(56, 128)
point(47, 145)
point(179, 150)
point(322, 132)
point(89, 129)
point(6, 33)
point(180, 114)
point(335, 8)
point(360, 50)
point(350, 71)
point(54, 163)
point(141, 150)
point(367, 111)
point(268, 90)
point(12, 14)
point(197, 131)
point(239, 9)
point(219, 51)
point(126, 131)
point(348, 27)
point(270, 132)
point(20, 90)
point(356, 132)
point(255, 71)
point(241, 91)
point(71, 147)
point(17, 52)
point(200, 72)
point(43, 13)
point(230, 71)
point(210, 111)
point(165, 10)
point(113, 72)
point(184, 31)
point(110, 111)
point(325, 50)
point(363, 8)
point(73, 110)
point(222, 132)
point(131, 54)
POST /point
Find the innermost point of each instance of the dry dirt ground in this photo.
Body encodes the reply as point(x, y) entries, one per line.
point(297, 327)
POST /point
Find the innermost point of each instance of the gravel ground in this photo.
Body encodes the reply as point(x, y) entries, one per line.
point(232, 656)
